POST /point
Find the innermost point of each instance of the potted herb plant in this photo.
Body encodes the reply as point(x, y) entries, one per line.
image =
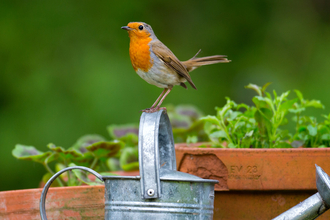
point(262, 168)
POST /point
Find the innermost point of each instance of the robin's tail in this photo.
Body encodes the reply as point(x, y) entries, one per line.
point(194, 62)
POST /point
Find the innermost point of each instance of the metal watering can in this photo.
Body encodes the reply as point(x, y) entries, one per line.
point(160, 192)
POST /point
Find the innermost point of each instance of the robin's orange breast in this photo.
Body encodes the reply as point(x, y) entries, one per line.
point(139, 51)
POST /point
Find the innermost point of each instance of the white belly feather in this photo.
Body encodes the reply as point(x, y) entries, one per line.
point(159, 74)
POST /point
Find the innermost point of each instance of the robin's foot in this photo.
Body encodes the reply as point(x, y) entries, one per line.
point(152, 110)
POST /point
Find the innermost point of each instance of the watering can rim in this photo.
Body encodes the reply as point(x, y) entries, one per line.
point(180, 176)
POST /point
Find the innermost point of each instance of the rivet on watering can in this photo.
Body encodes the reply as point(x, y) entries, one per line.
point(151, 192)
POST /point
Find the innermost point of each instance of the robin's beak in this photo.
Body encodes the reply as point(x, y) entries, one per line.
point(126, 28)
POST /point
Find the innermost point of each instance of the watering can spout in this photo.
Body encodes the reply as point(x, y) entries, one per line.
point(313, 206)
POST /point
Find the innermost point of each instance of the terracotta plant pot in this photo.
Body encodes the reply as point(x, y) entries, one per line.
point(78, 202)
point(255, 183)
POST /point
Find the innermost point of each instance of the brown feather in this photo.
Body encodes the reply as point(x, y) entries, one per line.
point(194, 62)
point(183, 85)
point(171, 60)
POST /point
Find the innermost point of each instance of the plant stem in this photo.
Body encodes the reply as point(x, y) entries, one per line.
point(297, 124)
point(69, 172)
point(94, 163)
point(52, 172)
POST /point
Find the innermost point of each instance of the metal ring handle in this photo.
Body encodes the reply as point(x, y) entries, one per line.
point(52, 179)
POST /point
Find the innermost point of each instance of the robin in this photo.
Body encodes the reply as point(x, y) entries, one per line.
point(157, 65)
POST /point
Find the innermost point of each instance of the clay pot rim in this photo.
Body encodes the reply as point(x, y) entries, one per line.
point(195, 146)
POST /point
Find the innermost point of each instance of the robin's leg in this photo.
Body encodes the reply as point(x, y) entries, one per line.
point(153, 106)
point(167, 92)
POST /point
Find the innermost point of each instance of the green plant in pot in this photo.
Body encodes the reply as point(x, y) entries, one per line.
point(263, 125)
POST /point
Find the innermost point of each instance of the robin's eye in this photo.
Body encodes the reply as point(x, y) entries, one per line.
point(141, 27)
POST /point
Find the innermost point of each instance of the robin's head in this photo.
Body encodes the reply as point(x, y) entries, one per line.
point(139, 29)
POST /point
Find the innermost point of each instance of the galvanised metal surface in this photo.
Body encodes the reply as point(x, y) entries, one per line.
point(156, 147)
point(179, 200)
point(161, 192)
point(313, 206)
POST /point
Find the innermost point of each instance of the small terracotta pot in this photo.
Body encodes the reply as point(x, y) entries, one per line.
point(255, 183)
point(77, 202)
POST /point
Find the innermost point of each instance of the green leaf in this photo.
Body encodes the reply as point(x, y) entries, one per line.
point(105, 149)
point(219, 134)
point(130, 166)
point(113, 164)
point(130, 139)
point(232, 145)
point(84, 177)
point(195, 129)
point(296, 111)
point(242, 105)
point(233, 115)
point(314, 103)
point(267, 113)
point(260, 102)
point(212, 119)
point(46, 177)
point(59, 167)
point(129, 159)
point(299, 95)
point(323, 129)
point(23, 152)
point(312, 130)
point(302, 129)
point(287, 105)
point(192, 139)
point(283, 96)
point(86, 141)
point(255, 88)
point(325, 137)
point(264, 87)
point(283, 144)
point(322, 146)
point(221, 112)
point(275, 95)
point(118, 131)
point(246, 141)
point(263, 117)
point(69, 154)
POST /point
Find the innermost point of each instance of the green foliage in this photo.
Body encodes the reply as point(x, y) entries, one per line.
point(186, 125)
point(261, 126)
point(104, 156)
point(92, 151)
point(233, 126)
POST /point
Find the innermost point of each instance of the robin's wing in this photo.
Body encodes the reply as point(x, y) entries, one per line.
point(166, 55)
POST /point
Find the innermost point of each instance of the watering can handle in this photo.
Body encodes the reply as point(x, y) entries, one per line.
point(156, 151)
point(51, 180)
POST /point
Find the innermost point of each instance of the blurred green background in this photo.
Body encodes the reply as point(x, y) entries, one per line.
point(65, 69)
